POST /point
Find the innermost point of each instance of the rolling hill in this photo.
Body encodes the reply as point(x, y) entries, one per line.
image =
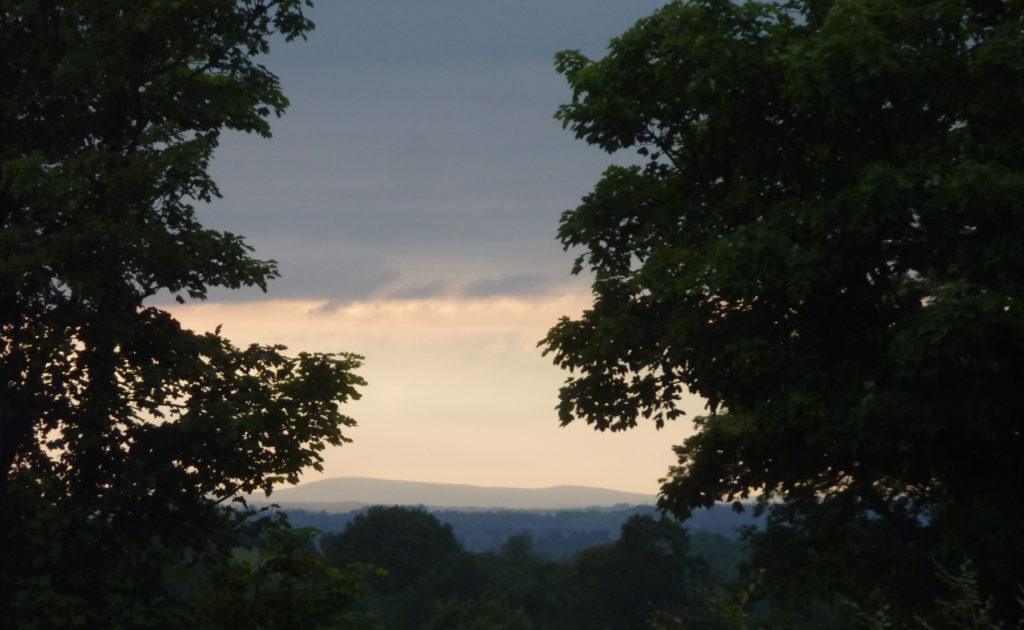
point(340, 494)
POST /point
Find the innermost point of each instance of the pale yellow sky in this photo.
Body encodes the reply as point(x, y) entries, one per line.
point(458, 391)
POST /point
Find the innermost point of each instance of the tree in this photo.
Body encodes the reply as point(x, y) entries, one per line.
point(822, 241)
point(523, 580)
point(406, 542)
point(424, 563)
point(122, 434)
point(625, 584)
point(478, 614)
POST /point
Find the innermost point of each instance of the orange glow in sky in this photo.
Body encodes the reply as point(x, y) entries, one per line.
point(458, 391)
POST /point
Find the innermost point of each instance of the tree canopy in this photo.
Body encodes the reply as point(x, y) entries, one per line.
point(823, 240)
point(624, 585)
point(121, 432)
point(424, 565)
point(405, 542)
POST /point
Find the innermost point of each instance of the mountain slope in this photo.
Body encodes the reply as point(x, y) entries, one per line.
point(341, 493)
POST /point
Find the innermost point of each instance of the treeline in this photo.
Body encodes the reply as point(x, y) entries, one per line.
point(652, 568)
point(654, 573)
point(555, 533)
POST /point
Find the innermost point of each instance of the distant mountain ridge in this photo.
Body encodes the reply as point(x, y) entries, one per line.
point(341, 494)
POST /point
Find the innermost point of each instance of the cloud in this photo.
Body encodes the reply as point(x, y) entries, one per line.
point(315, 275)
point(446, 30)
point(419, 291)
point(433, 157)
point(302, 324)
point(512, 285)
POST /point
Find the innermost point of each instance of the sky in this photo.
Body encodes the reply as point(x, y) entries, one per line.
point(411, 196)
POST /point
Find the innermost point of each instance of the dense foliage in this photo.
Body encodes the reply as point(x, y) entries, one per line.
point(553, 533)
point(433, 582)
point(122, 433)
point(655, 574)
point(823, 241)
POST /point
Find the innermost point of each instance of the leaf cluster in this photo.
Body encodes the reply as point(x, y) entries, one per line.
point(822, 241)
point(121, 432)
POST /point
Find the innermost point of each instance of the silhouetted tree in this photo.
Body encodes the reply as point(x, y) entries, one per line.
point(122, 433)
point(622, 585)
point(823, 241)
point(406, 542)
